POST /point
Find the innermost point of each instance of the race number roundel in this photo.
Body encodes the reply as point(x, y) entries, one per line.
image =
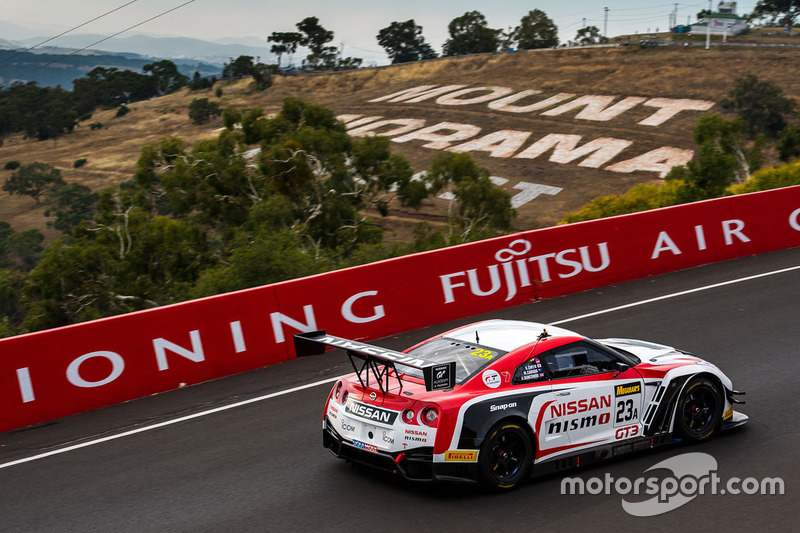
point(491, 379)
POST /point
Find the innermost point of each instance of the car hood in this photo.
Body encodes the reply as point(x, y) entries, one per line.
point(652, 353)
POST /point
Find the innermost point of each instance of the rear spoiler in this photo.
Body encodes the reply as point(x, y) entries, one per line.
point(379, 361)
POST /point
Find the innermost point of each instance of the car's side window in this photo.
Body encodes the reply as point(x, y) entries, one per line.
point(529, 372)
point(604, 361)
point(578, 359)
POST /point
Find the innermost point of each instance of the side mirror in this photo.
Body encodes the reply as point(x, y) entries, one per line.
point(621, 367)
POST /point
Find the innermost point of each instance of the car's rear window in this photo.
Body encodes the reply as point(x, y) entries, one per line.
point(469, 357)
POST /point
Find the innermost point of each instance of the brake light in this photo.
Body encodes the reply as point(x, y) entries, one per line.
point(408, 416)
point(338, 390)
point(345, 394)
point(430, 416)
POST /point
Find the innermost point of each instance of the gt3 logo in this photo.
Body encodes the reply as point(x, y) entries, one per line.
point(624, 433)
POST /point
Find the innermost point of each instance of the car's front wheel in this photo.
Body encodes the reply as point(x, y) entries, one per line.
point(506, 456)
point(699, 410)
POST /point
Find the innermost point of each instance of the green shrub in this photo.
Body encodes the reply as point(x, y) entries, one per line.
point(231, 117)
point(789, 143)
point(123, 110)
point(79, 162)
point(640, 197)
point(12, 165)
point(218, 92)
point(769, 178)
point(201, 110)
point(96, 125)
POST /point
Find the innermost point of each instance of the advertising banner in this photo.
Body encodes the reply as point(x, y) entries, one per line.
point(58, 372)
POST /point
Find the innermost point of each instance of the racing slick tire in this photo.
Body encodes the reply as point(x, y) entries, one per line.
point(505, 457)
point(699, 410)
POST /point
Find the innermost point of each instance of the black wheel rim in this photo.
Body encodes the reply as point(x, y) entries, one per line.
point(699, 409)
point(506, 455)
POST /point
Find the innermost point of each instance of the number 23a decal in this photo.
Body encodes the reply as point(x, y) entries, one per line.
point(483, 354)
point(626, 411)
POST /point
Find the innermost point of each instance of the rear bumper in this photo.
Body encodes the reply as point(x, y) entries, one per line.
point(414, 464)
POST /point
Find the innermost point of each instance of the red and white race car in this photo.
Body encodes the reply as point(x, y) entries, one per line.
point(497, 400)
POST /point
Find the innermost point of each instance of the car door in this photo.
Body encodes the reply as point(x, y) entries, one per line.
point(544, 414)
point(598, 400)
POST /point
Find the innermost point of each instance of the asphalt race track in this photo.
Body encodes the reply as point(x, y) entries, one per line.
point(260, 466)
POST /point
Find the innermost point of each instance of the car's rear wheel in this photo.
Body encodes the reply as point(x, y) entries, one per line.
point(506, 456)
point(699, 410)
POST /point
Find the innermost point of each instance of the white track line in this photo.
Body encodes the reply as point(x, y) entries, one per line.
point(329, 380)
point(675, 295)
point(166, 423)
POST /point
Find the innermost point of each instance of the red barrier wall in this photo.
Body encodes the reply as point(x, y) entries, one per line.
point(68, 370)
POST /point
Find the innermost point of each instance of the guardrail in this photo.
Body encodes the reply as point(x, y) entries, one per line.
point(63, 371)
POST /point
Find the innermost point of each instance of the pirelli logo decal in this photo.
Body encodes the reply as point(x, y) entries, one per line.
point(461, 456)
point(628, 388)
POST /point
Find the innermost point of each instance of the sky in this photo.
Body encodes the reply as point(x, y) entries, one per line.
point(355, 23)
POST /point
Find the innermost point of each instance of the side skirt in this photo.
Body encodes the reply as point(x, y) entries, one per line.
point(601, 453)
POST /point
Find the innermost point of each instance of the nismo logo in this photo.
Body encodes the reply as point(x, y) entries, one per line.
point(368, 412)
point(628, 388)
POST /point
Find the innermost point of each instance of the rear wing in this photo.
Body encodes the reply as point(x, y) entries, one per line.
point(378, 362)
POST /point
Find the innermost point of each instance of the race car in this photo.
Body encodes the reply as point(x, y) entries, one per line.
point(499, 400)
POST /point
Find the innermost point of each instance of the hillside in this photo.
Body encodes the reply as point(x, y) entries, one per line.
point(609, 118)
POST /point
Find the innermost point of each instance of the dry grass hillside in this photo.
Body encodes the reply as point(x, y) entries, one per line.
point(674, 73)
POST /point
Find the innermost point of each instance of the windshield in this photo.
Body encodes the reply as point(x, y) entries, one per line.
point(469, 357)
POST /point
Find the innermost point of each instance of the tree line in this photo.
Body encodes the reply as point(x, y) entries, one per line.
point(212, 218)
point(403, 41)
point(47, 112)
point(470, 34)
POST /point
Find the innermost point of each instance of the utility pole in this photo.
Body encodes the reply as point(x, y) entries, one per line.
point(675, 16)
point(605, 23)
point(584, 22)
point(708, 27)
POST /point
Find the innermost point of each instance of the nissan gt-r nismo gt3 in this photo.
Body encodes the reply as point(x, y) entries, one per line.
point(497, 400)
